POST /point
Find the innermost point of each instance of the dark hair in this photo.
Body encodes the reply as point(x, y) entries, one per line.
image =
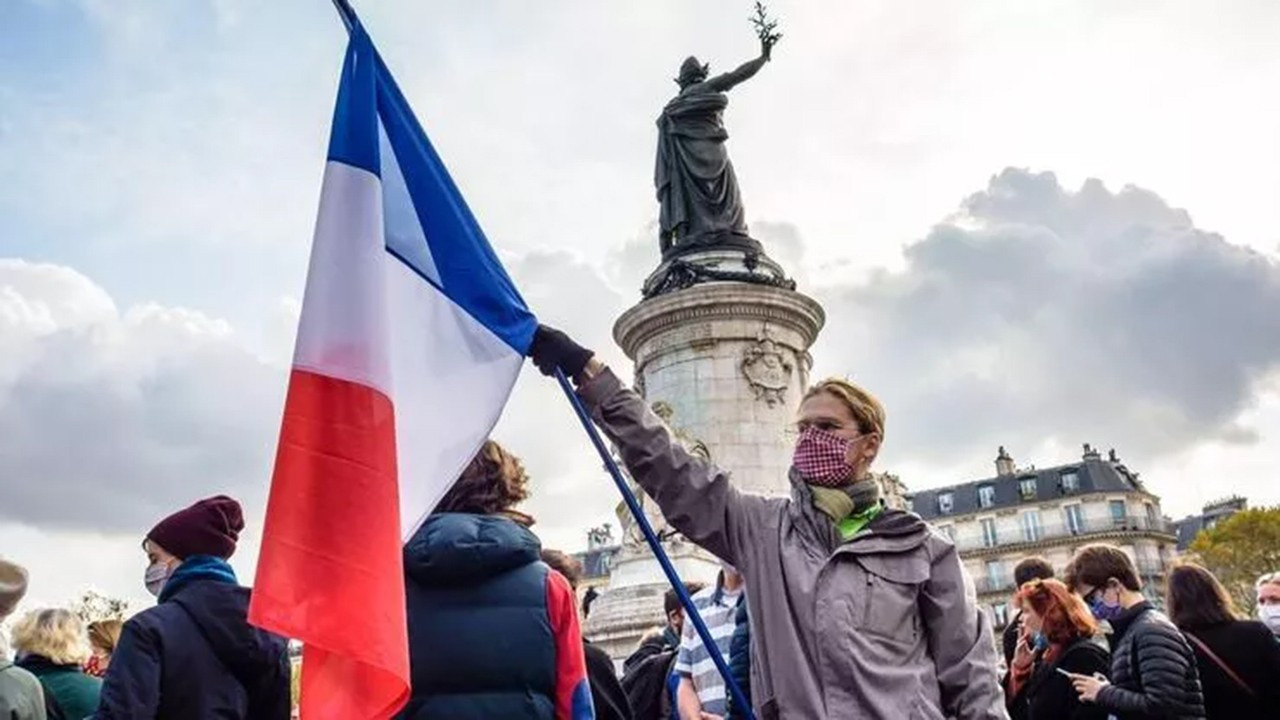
point(1032, 568)
point(1094, 565)
point(671, 601)
point(1064, 615)
point(566, 565)
point(1195, 598)
point(494, 481)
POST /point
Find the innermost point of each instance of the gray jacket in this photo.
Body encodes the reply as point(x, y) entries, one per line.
point(882, 626)
point(21, 697)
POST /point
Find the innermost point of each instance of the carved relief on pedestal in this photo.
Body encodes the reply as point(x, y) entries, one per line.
point(767, 369)
point(693, 445)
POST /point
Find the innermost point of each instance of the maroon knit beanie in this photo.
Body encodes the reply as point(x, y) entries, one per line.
point(210, 527)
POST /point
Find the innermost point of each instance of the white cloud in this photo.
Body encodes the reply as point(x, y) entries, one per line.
point(109, 419)
point(1039, 318)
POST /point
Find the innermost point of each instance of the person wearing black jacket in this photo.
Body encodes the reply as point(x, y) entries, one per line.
point(1153, 671)
point(195, 655)
point(1028, 569)
point(669, 638)
point(1059, 635)
point(1239, 659)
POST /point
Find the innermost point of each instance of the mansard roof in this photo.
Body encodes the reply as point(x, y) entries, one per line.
point(1092, 475)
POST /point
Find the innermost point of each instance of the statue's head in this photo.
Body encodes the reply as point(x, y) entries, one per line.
point(692, 71)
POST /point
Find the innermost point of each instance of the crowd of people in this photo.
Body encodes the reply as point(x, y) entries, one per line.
point(828, 604)
point(193, 655)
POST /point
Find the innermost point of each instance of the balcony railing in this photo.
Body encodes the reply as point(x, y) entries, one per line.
point(993, 585)
point(1087, 526)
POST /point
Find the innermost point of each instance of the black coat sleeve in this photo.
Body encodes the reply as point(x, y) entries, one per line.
point(131, 688)
point(1267, 654)
point(1164, 662)
point(269, 692)
point(1009, 639)
point(607, 696)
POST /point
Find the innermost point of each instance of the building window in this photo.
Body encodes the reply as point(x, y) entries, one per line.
point(945, 503)
point(949, 531)
point(1070, 482)
point(986, 495)
point(1117, 512)
point(1031, 529)
point(1027, 488)
point(1075, 521)
point(1153, 517)
point(989, 538)
point(995, 574)
point(1000, 614)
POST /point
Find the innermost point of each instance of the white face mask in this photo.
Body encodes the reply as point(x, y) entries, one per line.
point(1270, 615)
point(156, 576)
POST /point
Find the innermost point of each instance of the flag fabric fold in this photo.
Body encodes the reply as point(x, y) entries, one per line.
point(410, 340)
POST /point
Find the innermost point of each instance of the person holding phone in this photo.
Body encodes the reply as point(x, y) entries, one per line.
point(1058, 641)
point(1153, 670)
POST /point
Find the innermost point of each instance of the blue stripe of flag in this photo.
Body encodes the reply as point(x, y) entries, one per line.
point(456, 257)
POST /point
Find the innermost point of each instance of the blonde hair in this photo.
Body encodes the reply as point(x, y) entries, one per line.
point(52, 633)
point(865, 408)
point(105, 634)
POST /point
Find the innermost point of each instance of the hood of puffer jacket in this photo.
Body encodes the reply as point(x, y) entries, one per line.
point(464, 549)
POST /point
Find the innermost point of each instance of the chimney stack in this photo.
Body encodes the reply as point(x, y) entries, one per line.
point(1004, 464)
point(1091, 453)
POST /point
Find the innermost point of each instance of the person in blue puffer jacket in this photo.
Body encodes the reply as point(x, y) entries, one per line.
point(493, 632)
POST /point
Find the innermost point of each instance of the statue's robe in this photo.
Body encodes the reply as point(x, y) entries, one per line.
point(697, 189)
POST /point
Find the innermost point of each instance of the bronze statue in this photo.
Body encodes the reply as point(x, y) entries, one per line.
point(697, 189)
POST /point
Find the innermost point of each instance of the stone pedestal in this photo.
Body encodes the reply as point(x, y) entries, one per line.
point(725, 364)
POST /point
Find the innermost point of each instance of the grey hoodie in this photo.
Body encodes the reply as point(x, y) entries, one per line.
point(883, 626)
point(21, 696)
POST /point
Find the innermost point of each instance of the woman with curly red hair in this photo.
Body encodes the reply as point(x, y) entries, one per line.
point(1059, 636)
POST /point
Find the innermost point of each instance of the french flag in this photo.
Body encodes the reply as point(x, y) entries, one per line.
point(410, 340)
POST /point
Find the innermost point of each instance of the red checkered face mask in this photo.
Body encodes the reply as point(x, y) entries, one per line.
point(821, 457)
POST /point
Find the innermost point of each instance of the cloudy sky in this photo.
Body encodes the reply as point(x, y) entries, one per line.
point(1031, 224)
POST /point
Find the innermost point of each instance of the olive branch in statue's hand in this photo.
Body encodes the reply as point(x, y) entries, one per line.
point(766, 29)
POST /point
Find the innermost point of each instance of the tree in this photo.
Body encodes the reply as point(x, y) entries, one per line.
point(1241, 548)
point(94, 606)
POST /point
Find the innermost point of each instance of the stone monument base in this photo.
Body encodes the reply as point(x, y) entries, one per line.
point(632, 605)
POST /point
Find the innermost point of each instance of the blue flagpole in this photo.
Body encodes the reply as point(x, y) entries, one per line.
point(739, 698)
point(347, 13)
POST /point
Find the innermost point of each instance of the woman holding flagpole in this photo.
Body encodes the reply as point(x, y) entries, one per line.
point(857, 610)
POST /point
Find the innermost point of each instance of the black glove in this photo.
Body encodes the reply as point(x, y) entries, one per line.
point(553, 349)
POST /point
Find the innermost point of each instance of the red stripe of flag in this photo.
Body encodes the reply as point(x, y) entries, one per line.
point(330, 573)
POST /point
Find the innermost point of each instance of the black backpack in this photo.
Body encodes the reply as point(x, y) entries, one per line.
point(646, 686)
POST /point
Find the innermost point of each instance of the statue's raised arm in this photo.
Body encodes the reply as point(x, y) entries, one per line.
point(726, 81)
point(700, 204)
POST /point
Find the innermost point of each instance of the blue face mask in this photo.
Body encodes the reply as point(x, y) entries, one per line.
point(1039, 641)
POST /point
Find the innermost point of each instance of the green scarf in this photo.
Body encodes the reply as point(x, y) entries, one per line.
point(850, 507)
